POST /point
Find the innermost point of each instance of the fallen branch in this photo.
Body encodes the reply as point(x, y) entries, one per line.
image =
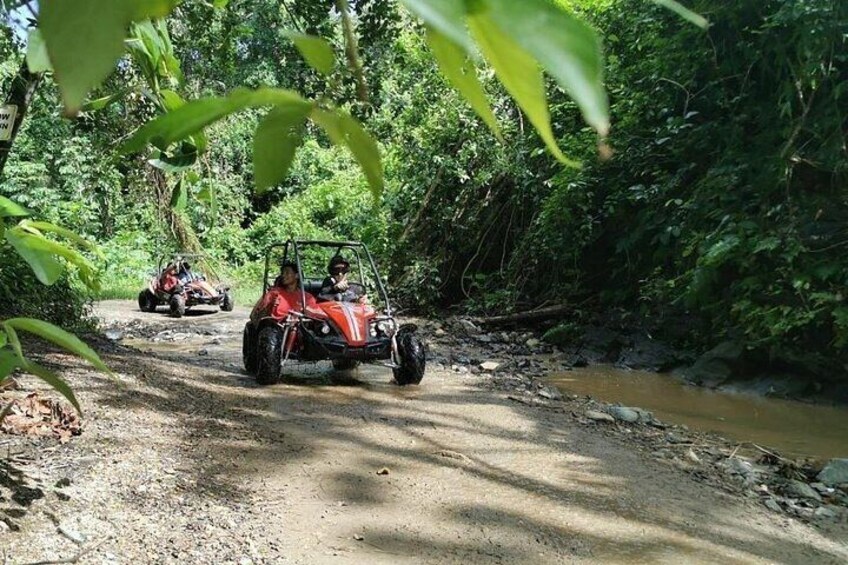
point(530, 316)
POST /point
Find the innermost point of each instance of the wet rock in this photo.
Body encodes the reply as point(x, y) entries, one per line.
point(532, 342)
point(797, 489)
point(577, 361)
point(651, 355)
point(716, 366)
point(834, 473)
point(440, 332)
point(599, 416)
point(692, 456)
point(489, 366)
point(624, 414)
point(672, 437)
point(484, 338)
point(203, 352)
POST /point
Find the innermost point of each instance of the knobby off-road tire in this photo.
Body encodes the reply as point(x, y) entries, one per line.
point(345, 364)
point(227, 303)
point(177, 306)
point(248, 349)
point(269, 351)
point(147, 301)
point(412, 359)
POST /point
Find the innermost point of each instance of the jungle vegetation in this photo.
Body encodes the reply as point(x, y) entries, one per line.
point(696, 172)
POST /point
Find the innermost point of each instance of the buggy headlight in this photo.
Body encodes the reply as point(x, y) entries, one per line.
point(386, 327)
point(325, 328)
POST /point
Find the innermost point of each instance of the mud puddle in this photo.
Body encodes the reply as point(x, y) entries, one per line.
point(793, 428)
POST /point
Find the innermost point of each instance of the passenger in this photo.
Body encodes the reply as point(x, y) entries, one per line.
point(337, 287)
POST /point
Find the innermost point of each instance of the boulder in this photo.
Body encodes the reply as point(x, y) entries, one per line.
point(834, 473)
point(716, 366)
point(489, 366)
point(624, 414)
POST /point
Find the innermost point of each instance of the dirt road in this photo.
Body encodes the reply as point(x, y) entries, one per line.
point(185, 460)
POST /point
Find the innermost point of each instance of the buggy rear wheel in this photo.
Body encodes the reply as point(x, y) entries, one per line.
point(177, 305)
point(345, 364)
point(269, 351)
point(248, 349)
point(227, 303)
point(412, 359)
point(147, 301)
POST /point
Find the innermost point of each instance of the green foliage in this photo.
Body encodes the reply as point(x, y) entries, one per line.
point(562, 334)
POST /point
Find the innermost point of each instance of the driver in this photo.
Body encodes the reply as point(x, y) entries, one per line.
point(337, 287)
point(284, 296)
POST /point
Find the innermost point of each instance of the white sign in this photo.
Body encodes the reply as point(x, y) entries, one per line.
point(7, 121)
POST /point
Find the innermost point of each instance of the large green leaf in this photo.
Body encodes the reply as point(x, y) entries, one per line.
point(684, 12)
point(343, 129)
point(64, 232)
point(43, 263)
point(567, 47)
point(85, 38)
point(60, 337)
point(446, 16)
point(194, 116)
point(460, 71)
point(36, 56)
point(104, 101)
point(317, 52)
point(53, 380)
point(274, 144)
point(520, 75)
point(208, 195)
point(9, 209)
point(179, 197)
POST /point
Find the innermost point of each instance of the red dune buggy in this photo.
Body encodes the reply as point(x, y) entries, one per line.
point(178, 286)
point(301, 322)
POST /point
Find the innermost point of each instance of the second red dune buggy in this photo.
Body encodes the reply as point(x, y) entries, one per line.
point(178, 286)
point(297, 318)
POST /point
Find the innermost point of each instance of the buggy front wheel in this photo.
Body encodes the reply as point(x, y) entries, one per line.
point(177, 306)
point(147, 301)
point(227, 303)
point(412, 359)
point(269, 350)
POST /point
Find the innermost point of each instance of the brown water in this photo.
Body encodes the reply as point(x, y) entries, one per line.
point(793, 428)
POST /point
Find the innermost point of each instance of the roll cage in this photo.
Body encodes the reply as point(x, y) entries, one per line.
point(292, 248)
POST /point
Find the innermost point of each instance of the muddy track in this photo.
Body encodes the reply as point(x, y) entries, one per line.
point(184, 459)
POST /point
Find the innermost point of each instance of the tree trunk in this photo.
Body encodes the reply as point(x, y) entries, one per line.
point(526, 317)
point(23, 89)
